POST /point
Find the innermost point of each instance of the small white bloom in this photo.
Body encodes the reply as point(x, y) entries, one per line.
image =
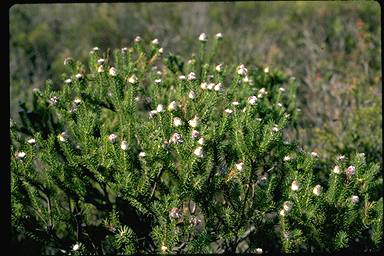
point(279, 104)
point(201, 141)
point(175, 213)
point(20, 155)
point(53, 100)
point(77, 101)
point(142, 154)
point(263, 91)
point(239, 165)
point(355, 199)
point(218, 87)
point(341, 157)
point(194, 122)
point(164, 248)
point(76, 247)
point(252, 100)
point(203, 37)
point(351, 170)
point(242, 70)
point(219, 36)
point(191, 76)
point(182, 77)
point(203, 85)
point(244, 109)
point(112, 137)
point(158, 81)
point(176, 138)
point(31, 141)
point(63, 136)
point(259, 95)
point(95, 48)
point(124, 145)
point(137, 39)
point(100, 69)
point(336, 169)
point(161, 50)
point(287, 158)
point(68, 81)
point(275, 129)
point(210, 86)
point(219, 68)
point(79, 76)
point(191, 95)
point(228, 111)
point(314, 154)
point(266, 70)
point(112, 71)
point(235, 103)
point(259, 251)
point(282, 89)
point(198, 151)
point(152, 113)
point(287, 205)
point(155, 41)
point(124, 49)
point(172, 106)
point(132, 79)
point(317, 190)
point(259, 119)
point(195, 134)
point(160, 108)
point(282, 212)
point(158, 72)
point(177, 121)
point(295, 185)
point(100, 61)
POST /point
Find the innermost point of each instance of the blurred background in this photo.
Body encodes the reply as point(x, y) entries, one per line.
point(332, 48)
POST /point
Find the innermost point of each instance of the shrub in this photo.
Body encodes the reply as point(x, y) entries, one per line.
point(140, 153)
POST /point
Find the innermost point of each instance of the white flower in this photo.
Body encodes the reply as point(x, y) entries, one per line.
point(287, 158)
point(124, 145)
point(198, 151)
point(191, 95)
point(182, 77)
point(79, 76)
point(68, 81)
point(282, 89)
point(242, 70)
point(77, 101)
point(314, 154)
point(263, 91)
point(219, 68)
point(158, 81)
point(355, 199)
point(317, 190)
point(112, 137)
point(158, 72)
point(100, 69)
point(259, 95)
point(246, 79)
point(228, 111)
point(161, 50)
point(336, 169)
point(259, 251)
point(152, 113)
point(142, 154)
point(177, 121)
point(259, 119)
point(53, 100)
point(172, 106)
point(20, 155)
point(287, 206)
point(63, 136)
point(252, 100)
point(164, 248)
point(31, 141)
point(201, 141)
point(112, 71)
point(341, 157)
point(76, 247)
point(295, 185)
point(218, 87)
point(137, 39)
point(203, 37)
point(282, 212)
point(176, 138)
point(195, 134)
point(203, 85)
point(191, 76)
point(239, 165)
point(210, 86)
point(235, 103)
point(100, 61)
point(194, 122)
point(160, 108)
point(279, 104)
point(351, 170)
point(174, 213)
point(155, 41)
point(124, 49)
point(266, 70)
point(219, 36)
point(132, 79)
point(275, 129)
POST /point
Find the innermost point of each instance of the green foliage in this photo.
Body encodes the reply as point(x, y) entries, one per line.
point(125, 160)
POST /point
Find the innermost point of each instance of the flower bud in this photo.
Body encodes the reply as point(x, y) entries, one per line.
point(287, 206)
point(314, 154)
point(191, 76)
point(157, 81)
point(155, 41)
point(252, 100)
point(112, 138)
point(259, 251)
point(194, 122)
point(182, 77)
point(100, 69)
point(160, 108)
point(219, 68)
point(355, 199)
point(295, 185)
point(79, 76)
point(76, 247)
point(282, 89)
point(201, 141)
point(203, 37)
point(63, 136)
point(112, 71)
point(68, 81)
point(100, 61)
point(351, 170)
point(317, 190)
point(228, 111)
point(191, 95)
point(177, 121)
point(198, 151)
point(239, 165)
point(235, 103)
point(164, 248)
point(142, 154)
point(124, 145)
point(172, 106)
point(20, 155)
point(195, 134)
point(31, 141)
point(266, 70)
point(132, 79)
point(336, 169)
point(137, 39)
point(287, 158)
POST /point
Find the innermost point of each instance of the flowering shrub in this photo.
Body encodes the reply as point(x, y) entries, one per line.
point(141, 153)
